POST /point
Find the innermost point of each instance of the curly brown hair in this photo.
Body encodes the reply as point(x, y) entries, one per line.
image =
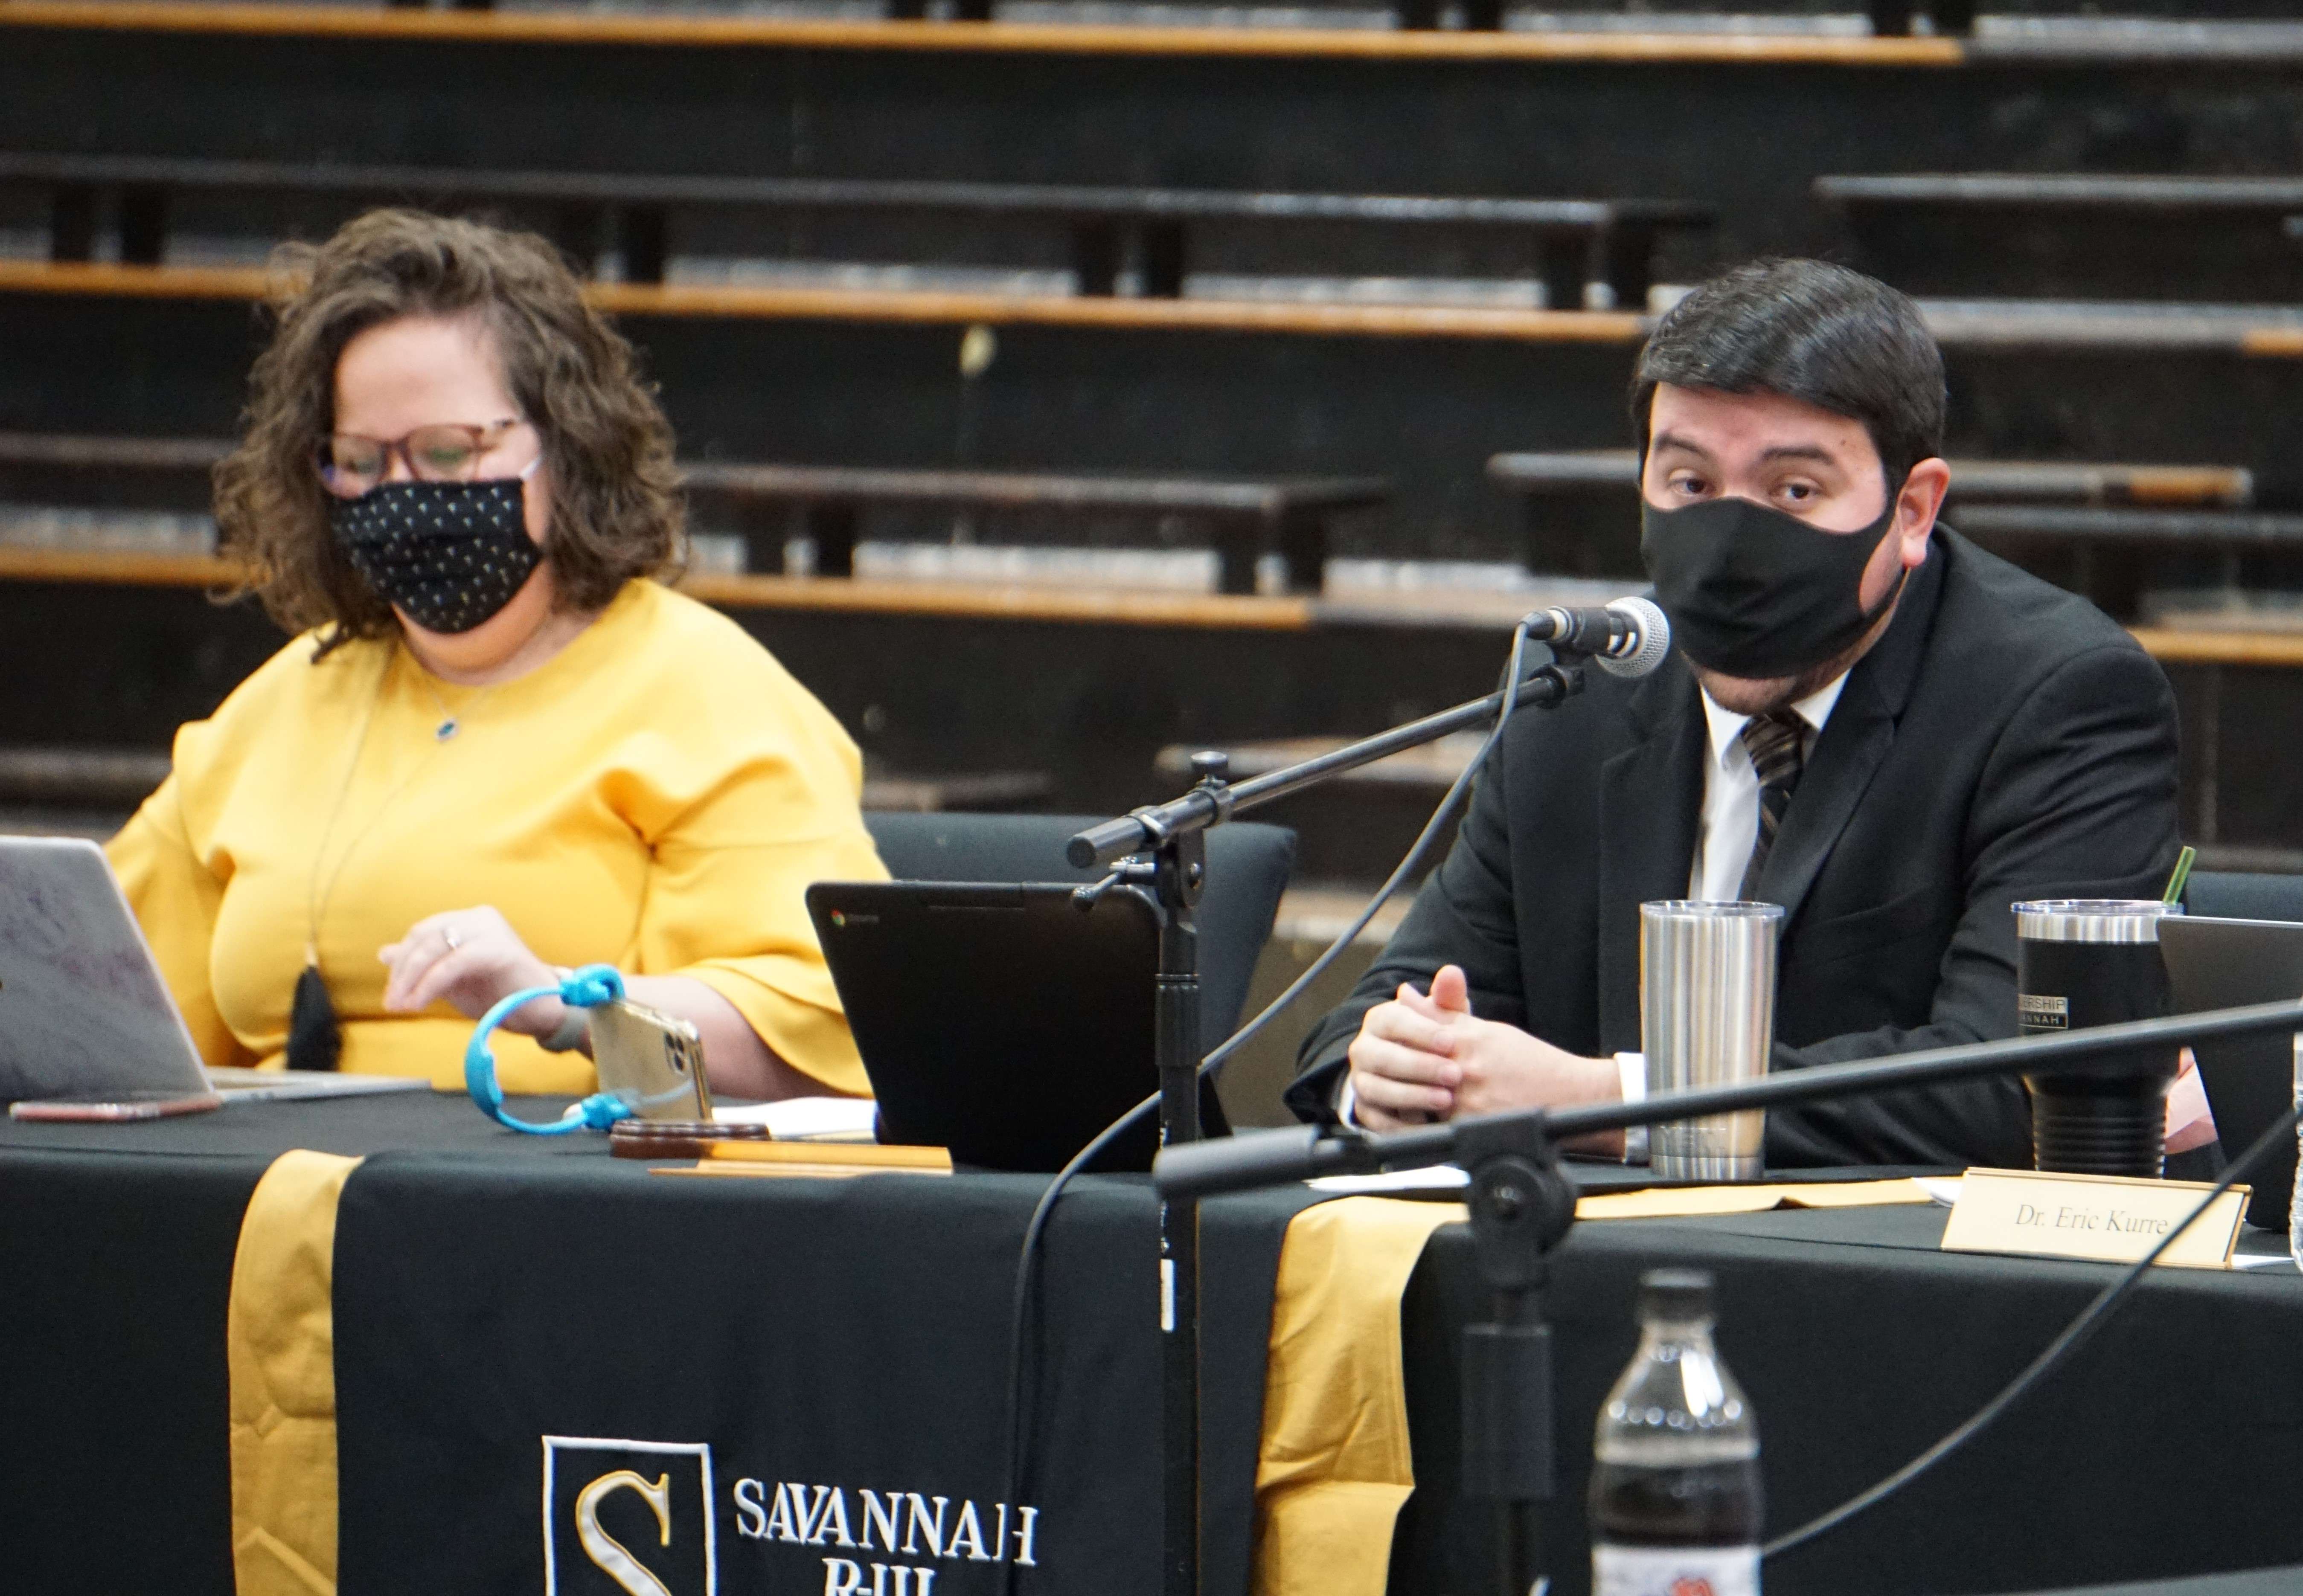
point(617, 505)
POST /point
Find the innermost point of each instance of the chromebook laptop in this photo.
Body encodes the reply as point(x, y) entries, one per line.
point(1000, 1020)
point(85, 1017)
point(2250, 1080)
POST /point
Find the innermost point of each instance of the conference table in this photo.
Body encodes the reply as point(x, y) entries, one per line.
point(807, 1371)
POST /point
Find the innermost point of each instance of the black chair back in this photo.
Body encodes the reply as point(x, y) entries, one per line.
point(1247, 871)
point(2232, 895)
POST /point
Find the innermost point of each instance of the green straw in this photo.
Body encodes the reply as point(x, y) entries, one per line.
point(2175, 882)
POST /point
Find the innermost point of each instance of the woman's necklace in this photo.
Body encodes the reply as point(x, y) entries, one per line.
point(315, 894)
point(449, 723)
point(315, 1038)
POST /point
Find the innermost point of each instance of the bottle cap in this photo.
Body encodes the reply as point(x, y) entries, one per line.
point(1677, 1295)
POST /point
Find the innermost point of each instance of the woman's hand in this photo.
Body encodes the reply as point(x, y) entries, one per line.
point(471, 957)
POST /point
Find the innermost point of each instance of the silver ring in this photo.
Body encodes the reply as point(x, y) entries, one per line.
point(454, 941)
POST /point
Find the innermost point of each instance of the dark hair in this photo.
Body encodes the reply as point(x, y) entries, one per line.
point(616, 504)
point(1817, 334)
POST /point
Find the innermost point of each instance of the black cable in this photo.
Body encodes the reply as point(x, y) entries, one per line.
point(1019, 1322)
point(1392, 883)
point(2075, 1335)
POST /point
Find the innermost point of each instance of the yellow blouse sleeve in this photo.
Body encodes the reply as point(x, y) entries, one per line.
point(725, 898)
point(174, 894)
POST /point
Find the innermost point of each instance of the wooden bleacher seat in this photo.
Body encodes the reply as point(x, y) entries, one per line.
point(2074, 235)
point(1903, 33)
point(1594, 253)
point(68, 453)
point(2116, 555)
point(1247, 518)
point(1983, 328)
point(79, 779)
point(1417, 29)
point(73, 786)
point(584, 27)
point(108, 476)
point(2226, 639)
point(2093, 527)
point(1428, 768)
point(36, 566)
point(1290, 318)
point(2099, 520)
point(1973, 481)
point(2057, 31)
point(1889, 18)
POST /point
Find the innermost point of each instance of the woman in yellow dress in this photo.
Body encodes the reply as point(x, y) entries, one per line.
point(498, 746)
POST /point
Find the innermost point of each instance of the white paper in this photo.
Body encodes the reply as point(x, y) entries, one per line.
point(1943, 1188)
point(2261, 1260)
point(1439, 1177)
point(807, 1119)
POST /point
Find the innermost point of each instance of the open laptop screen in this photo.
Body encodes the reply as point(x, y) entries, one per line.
point(1000, 1020)
point(2228, 963)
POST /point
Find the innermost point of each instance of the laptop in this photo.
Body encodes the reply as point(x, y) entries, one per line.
point(86, 1018)
point(1000, 1020)
point(2250, 1080)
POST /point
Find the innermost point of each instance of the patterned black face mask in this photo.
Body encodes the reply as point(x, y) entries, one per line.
point(447, 555)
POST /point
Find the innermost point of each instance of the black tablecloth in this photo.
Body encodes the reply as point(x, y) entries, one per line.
point(2164, 1450)
point(833, 1337)
point(116, 1245)
point(502, 1287)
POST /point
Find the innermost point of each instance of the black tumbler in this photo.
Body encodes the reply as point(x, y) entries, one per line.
point(2081, 961)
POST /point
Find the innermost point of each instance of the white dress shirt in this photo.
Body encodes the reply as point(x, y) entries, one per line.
point(1725, 833)
point(1729, 827)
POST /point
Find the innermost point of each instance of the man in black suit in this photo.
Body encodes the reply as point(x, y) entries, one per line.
point(1865, 718)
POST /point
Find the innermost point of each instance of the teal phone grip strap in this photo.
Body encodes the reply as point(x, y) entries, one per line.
point(584, 988)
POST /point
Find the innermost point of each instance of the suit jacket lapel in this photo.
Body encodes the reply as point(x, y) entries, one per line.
point(1650, 797)
point(1853, 744)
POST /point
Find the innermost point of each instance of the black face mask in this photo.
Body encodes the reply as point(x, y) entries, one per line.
point(447, 555)
point(1753, 592)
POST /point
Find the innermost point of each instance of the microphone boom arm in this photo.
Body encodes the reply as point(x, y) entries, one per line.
point(1273, 1158)
point(1212, 802)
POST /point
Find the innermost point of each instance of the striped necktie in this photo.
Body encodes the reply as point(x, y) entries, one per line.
point(1777, 745)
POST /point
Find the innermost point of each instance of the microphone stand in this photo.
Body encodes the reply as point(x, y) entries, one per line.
point(1523, 1205)
point(1174, 834)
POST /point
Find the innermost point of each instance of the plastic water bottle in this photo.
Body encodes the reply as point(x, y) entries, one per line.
point(1676, 1504)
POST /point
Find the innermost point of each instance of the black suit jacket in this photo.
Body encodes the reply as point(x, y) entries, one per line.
point(2002, 739)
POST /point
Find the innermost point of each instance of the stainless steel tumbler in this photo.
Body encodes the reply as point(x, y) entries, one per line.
point(2082, 962)
point(1707, 1018)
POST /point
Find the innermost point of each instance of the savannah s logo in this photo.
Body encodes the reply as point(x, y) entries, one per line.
point(627, 1519)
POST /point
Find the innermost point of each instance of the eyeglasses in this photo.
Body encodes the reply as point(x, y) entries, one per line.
point(351, 465)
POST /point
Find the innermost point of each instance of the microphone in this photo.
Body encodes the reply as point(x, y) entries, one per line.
point(1626, 638)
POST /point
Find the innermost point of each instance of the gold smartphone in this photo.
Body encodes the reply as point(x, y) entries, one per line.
point(650, 1061)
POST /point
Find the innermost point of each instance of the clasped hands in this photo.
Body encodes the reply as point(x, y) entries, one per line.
point(1425, 1057)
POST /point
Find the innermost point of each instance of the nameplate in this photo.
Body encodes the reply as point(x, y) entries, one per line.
point(2112, 1218)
